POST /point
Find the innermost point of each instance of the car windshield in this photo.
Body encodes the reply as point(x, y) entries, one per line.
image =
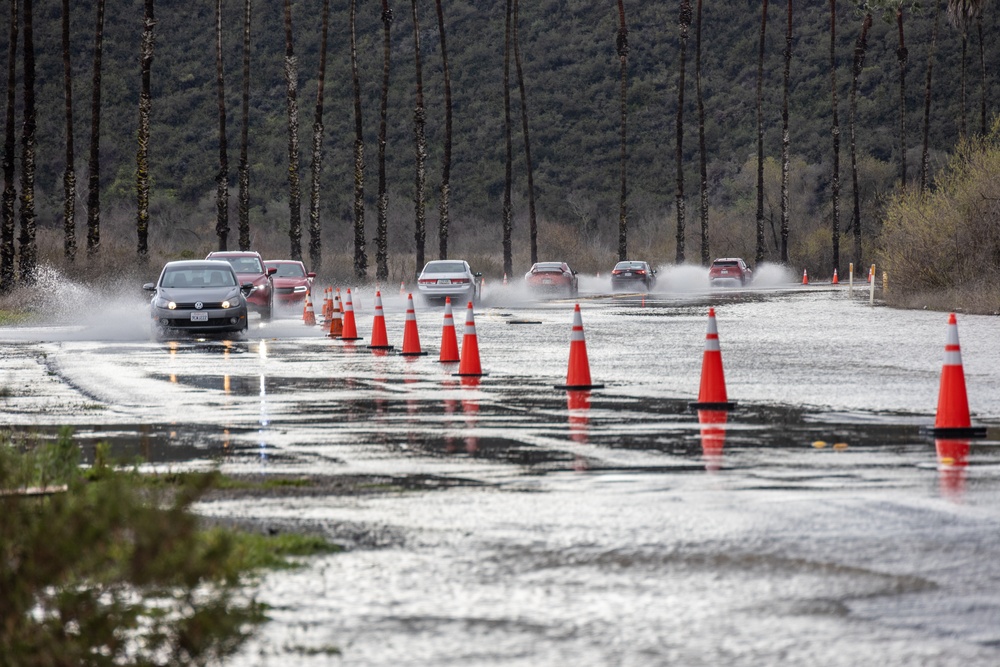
point(245, 264)
point(288, 270)
point(197, 277)
point(445, 267)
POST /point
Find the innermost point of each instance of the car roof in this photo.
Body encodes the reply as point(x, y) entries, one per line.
point(199, 264)
point(550, 264)
point(282, 261)
point(234, 253)
point(727, 259)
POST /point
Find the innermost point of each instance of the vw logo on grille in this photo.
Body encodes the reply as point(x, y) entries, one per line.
point(199, 305)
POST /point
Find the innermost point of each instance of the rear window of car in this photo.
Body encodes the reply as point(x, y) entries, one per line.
point(288, 270)
point(630, 265)
point(548, 266)
point(445, 267)
point(197, 278)
point(725, 264)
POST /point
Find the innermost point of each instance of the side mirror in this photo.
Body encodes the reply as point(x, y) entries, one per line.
point(149, 287)
point(246, 288)
point(478, 275)
point(270, 271)
point(311, 274)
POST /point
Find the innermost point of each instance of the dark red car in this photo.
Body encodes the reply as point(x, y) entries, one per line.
point(554, 277)
point(291, 280)
point(250, 268)
point(730, 270)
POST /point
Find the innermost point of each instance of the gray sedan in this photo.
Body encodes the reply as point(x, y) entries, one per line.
point(198, 296)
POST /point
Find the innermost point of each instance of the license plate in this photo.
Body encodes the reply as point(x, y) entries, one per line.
point(627, 274)
point(444, 281)
point(724, 271)
point(547, 281)
point(199, 317)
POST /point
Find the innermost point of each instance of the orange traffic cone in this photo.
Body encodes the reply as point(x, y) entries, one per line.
point(953, 418)
point(380, 339)
point(336, 318)
point(805, 277)
point(449, 342)
point(402, 287)
point(712, 393)
point(350, 331)
point(578, 375)
point(411, 338)
point(469, 366)
point(504, 279)
point(308, 313)
point(327, 304)
point(835, 280)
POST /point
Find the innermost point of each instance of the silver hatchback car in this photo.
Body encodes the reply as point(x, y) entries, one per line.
point(448, 277)
point(198, 296)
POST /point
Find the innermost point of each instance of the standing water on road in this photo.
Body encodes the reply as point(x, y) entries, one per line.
point(510, 523)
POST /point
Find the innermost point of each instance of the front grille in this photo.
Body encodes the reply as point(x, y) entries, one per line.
point(205, 305)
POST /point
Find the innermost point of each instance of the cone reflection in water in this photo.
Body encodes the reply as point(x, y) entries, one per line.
point(450, 406)
point(380, 337)
point(470, 407)
point(953, 461)
point(578, 405)
point(713, 437)
point(469, 364)
point(350, 326)
point(449, 341)
point(411, 337)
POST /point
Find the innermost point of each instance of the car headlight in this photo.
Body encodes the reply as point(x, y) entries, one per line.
point(160, 302)
point(300, 289)
point(225, 304)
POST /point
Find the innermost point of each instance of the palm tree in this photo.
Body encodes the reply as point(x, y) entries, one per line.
point(69, 174)
point(705, 250)
point(9, 194)
point(243, 171)
point(360, 258)
point(785, 137)
point(901, 57)
point(381, 244)
point(835, 181)
point(532, 223)
point(684, 23)
point(142, 156)
point(445, 197)
point(507, 223)
point(925, 151)
point(94, 175)
point(222, 176)
point(292, 84)
point(860, 52)
point(982, 69)
point(28, 247)
point(961, 13)
point(759, 256)
point(621, 47)
point(315, 245)
point(420, 146)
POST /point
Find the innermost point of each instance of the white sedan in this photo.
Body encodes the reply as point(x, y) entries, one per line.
point(448, 277)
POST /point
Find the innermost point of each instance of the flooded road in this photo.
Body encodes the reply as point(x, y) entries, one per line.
point(516, 524)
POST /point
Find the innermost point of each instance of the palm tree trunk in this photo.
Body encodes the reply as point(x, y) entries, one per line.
point(315, 244)
point(94, 168)
point(508, 262)
point(243, 175)
point(7, 275)
point(381, 242)
point(445, 197)
point(759, 256)
point(703, 182)
point(532, 222)
point(785, 138)
point(69, 174)
point(360, 258)
point(420, 148)
point(142, 156)
point(28, 248)
point(901, 57)
point(962, 127)
point(925, 160)
point(835, 181)
point(621, 46)
point(982, 71)
point(292, 83)
point(860, 52)
point(222, 177)
point(685, 24)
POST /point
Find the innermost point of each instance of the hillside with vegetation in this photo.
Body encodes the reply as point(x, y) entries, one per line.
point(571, 79)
